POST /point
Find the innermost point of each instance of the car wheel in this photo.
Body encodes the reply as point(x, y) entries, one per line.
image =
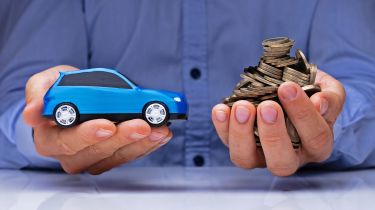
point(156, 114)
point(66, 114)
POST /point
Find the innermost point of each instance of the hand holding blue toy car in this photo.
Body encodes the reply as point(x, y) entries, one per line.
point(83, 95)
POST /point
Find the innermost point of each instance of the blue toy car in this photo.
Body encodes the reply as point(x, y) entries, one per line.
point(82, 95)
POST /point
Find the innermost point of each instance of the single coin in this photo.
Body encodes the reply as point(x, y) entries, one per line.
point(284, 63)
point(243, 83)
point(290, 44)
point(275, 40)
point(276, 81)
point(270, 68)
point(269, 60)
point(286, 74)
point(269, 73)
point(296, 73)
point(311, 89)
point(253, 80)
point(295, 80)
point(276, 49)
point(268, 97)
point(275, 53)
point(313, 72)
point(262, 80)
point(240, 93)
point(302, 57)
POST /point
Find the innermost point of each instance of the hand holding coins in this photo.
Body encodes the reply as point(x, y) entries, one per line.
point(260, 83)
point(266, 108)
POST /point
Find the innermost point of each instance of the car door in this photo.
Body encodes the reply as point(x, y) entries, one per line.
point(112, 94)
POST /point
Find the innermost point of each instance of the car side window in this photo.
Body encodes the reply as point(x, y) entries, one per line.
point(97, 79)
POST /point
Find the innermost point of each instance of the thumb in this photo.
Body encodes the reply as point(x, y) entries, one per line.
point(36, 88)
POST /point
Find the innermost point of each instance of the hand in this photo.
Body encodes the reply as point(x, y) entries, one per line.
point(313, 118)
point(94, 146)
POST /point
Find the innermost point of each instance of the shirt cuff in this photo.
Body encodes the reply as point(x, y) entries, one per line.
point(25, 144)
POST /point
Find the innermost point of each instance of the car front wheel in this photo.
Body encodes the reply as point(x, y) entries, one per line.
point(156, 114)
point(66, 115)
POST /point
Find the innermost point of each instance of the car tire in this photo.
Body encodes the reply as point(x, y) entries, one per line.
point(155, 113)
point(66, 115)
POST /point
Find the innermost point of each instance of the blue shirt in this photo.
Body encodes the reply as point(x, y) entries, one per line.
point(198, 47)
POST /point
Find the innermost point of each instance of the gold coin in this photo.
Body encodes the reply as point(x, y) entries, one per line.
point(302, 57)
point(276, 81)
point(271, 74)
point(296, 73)
point(275, 40)
point(313, 72)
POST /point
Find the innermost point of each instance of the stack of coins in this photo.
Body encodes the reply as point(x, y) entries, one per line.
point(260, 83)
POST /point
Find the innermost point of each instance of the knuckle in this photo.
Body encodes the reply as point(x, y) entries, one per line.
point(68, 168)
point(63, 148)
point(121, 141)
point(319, 140)
point(86, 140)
point(282, 169)
point(271, 139)
point(303, 114)
point(122, 156)
point(96, 151)
point(243, 162)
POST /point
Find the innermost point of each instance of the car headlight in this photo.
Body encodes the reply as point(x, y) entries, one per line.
point(177, 99)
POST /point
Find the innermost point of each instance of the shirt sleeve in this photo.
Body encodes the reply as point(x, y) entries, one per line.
point(342, 43)
point(36, 35)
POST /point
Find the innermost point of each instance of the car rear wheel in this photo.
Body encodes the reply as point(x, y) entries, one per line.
point(66, 115)
point(156, 114)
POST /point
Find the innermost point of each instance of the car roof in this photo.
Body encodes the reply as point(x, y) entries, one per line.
point(89, 70)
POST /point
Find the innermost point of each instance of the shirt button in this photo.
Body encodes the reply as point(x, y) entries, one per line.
point(198, 160)
point(195, 73)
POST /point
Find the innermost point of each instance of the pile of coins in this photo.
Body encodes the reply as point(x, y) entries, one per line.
point(261, 82)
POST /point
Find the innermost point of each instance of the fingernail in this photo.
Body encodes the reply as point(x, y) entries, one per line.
point(221, 116)
point(137, 136)
point(268, 113)
point(242, 114)
point(102, 133)
point(156, 136)
point(289, 92)
point(323, 106)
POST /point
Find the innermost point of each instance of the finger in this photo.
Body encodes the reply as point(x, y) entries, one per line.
point(328, 104)
point(315, 133)
point(36, 88)
point(128, 132)
point(52, 140)
point(220, 118)
point(241, 141)
point(161, 143)
point(330, 101)
point(280, 156)
point(329, 84)
point(131, 152)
